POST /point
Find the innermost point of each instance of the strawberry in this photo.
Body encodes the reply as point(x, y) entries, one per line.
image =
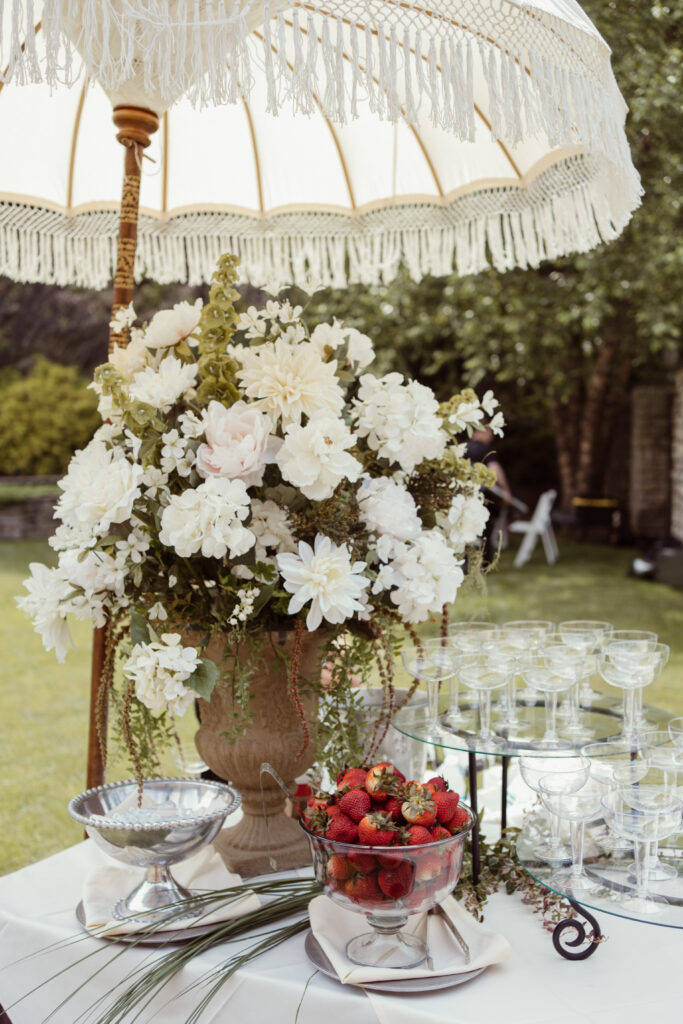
point(356, 804)
point(382, 781)
point(437, 784)
point(339, 867)
point(418, 807)
point(427, 867)
point(460, 818)
point(352, 778)
point(396, 882)
point(393, 807)
point(376, 829)
point(363, 888)
point(316, 819)
point(318, 798)
point(446, 804)
point(333, 810)
point(390, 860)
point(439, 832)
point(363, 863)
point(418, 834)
point(342, 830)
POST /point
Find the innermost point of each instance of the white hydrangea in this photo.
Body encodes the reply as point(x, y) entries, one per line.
point(270, 525)
point(290, 382)
point(175, 454)
point(99, 489)
point(191, 425)
point(159, 671)
point(388, 509)
point(465, 520)
point(423, 575)
point(45, 605)
point(315, 458)
point(325, 576)
point(134, 547)
point(208, 519)
point(163, 387)
point(400, 421)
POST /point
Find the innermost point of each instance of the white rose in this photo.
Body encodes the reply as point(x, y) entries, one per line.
point(238, 443)
point(170, 326)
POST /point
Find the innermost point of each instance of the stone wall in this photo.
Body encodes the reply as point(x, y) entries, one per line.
point(677, 461)
point(650, 483)
point(28, 520)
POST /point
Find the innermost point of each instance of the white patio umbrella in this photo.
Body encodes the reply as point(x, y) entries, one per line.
point(340, 139)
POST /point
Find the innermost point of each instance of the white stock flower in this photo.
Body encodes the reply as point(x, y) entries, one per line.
point(290, 382)
point(315, 458)
point(175, 455)
point(44, 603)
point(99, 489)
point(238, 443)
point(388, 509)
point(497, 423)
point(423, 576)
point(400, 421)
point(208, 519)
point(465, 520)
point(325, 576)
point(359, 348)
point(163, 387)
point(159, 671)
point(170, 326)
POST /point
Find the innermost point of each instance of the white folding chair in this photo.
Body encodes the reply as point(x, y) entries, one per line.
point(538, 526)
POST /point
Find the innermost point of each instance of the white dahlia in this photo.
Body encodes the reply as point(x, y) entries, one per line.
point(325, 576)
point(290, 382)
point(315, 458)
point(208, 519)
point(400, 421)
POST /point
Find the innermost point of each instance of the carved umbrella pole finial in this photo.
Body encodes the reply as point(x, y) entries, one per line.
point(135, 127)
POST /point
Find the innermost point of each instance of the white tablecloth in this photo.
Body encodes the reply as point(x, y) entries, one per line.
point(636, 975)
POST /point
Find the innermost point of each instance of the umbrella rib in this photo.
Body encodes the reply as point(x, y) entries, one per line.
point(335, 139)
point(257, 161)
point(74, 144)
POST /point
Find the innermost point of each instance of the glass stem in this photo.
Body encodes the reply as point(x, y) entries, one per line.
point(629, 724)
point(577, 830)
point(485, 715)
point(433, 702)
point(453, 694)
point(574, 704)
point(555, 826)
point(550, 715)
point(640, 855)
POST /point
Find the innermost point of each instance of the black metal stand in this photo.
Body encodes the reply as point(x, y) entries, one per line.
point(568, 947)
point(476, 852)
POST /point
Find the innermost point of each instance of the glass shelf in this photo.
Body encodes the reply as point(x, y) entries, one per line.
point(612, 874)
point(603, 719)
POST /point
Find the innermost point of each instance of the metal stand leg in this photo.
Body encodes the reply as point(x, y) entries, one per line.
point(570, 924)
point(472, 773)
point(504, 793)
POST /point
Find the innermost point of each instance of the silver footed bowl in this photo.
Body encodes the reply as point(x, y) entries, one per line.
point(177, 818)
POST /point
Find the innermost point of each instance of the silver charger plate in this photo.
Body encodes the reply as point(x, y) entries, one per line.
point(167, 937)
point(402, 986)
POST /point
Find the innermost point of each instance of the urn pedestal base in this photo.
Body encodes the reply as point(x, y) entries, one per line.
point(255, 847)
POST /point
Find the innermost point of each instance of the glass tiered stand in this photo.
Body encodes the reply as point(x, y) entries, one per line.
point(602, 723)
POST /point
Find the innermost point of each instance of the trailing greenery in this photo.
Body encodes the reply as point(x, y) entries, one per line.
point(45, 417)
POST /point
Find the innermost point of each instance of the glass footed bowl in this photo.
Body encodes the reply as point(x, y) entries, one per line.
point(177, 818)
point(387, 884)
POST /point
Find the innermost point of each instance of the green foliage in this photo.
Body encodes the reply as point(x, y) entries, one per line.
point(44, 417)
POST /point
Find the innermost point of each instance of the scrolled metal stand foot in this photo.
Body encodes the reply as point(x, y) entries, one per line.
point(567, 947)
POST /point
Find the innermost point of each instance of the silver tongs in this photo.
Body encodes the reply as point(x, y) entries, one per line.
point(453, 930)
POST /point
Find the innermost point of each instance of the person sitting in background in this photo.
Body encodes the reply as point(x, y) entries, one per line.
point(479, 450)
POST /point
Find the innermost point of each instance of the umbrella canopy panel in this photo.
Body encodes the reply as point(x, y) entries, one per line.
point(300, 196)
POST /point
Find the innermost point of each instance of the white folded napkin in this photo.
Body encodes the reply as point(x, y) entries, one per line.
point(333, 926)
point(107, 884)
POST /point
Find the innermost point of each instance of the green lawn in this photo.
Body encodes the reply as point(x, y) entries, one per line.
point(44, 705)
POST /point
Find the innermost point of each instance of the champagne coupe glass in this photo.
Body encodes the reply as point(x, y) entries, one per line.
point(467, 638)
point(644, 814)
point(534, 768)
point(443, 655)
point(607, 758)
point(586, 635)
point(666, 757)
point(528, 634)
point(484, 672)
point(430, 667)
point(637, 637)
point(540, 672)
point(568, 661)
point(578, 806)
point(632, 665)
point(675, 727)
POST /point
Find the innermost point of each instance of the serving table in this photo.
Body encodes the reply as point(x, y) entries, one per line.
point(535, 986)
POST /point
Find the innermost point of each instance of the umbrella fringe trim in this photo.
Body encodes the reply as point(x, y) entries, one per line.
point(543, 73)
point(570, 207)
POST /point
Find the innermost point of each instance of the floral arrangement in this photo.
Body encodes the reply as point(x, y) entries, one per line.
point(251, 476)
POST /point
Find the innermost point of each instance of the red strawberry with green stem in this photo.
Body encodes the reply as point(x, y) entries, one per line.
point(418, 807)
point(342, 830)
point(376, 829)
point(446, 804)
point(356, 804)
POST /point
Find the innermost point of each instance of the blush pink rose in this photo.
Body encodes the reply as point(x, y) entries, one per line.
point(238, 443)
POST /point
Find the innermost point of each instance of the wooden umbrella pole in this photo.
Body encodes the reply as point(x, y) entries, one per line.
point(135, 128)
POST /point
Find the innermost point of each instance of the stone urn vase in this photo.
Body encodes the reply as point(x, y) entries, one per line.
point(266, 835)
